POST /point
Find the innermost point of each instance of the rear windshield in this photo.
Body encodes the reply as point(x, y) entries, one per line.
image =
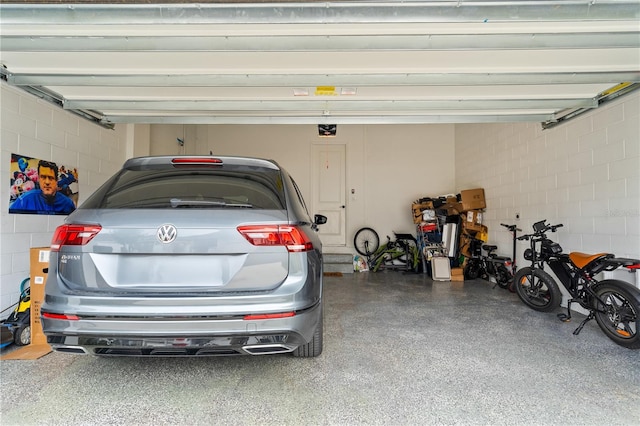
point(192, 187)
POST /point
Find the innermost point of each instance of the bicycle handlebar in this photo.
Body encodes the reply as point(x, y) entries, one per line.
point(541, 232)
point(511, 228)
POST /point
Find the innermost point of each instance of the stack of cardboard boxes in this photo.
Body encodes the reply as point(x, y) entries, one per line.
point(470, 205)
point(424, 209)
point(473, 205)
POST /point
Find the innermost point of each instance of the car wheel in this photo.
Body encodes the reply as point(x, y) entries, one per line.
point(314, 347)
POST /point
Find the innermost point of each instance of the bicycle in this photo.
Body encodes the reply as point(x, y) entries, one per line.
point(399, 254)
point(614, 304)
point(488, 266)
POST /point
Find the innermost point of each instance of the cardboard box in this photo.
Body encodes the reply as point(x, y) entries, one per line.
point(452, 206)
point(39, 257)
point(455, 209)
point(473, 216)
point(427, 205)
point(418, 209)
point(475, 227)
point(473, 199)
point(465, 246)
point(457, 274)
point(457, 278)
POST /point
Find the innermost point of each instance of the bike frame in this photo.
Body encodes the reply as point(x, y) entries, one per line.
point(384, 256)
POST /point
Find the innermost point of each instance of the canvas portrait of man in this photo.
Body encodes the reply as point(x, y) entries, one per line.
point(41, 187)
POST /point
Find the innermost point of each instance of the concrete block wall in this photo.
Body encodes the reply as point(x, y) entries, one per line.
point(584, 173)
point(32, 127)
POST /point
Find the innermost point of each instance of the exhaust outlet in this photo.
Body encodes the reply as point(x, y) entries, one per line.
point(266, 349)
point(71, 350)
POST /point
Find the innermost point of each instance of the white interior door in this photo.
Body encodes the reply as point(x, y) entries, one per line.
point(329, 191)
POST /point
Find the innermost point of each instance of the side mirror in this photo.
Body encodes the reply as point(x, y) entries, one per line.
point(319, 219)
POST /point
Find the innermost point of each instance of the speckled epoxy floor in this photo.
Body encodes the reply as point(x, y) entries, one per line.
point(399, 350)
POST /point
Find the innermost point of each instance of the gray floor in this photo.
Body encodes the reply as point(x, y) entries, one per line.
point(399, 350)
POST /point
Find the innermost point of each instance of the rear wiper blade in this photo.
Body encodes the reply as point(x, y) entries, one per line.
point(177, 202)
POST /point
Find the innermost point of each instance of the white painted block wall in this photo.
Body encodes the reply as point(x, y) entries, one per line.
point(35, 128)
point(584, 173)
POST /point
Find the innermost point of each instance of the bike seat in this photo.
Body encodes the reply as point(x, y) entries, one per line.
point(488, 247)
point(404, 237)
point(583, 259)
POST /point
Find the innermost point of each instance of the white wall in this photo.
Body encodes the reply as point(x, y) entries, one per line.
point(584, 173)
point(35, 128)
point(389, 166)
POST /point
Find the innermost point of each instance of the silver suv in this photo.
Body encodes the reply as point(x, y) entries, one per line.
point(188, 256)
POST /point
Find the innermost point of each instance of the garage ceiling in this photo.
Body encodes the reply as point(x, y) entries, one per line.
point(446, 61)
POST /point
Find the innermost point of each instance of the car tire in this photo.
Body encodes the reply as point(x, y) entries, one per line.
point(314, 347)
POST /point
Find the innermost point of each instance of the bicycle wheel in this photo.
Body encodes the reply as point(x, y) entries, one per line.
point(472, 270)
point(537, 289)
point(617, 312)
point(366, 241)
point(503, 276)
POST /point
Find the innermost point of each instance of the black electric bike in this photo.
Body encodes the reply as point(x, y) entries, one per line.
point(614, 304)
point(488, 266)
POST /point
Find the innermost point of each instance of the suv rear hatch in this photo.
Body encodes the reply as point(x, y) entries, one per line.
point(160, 227)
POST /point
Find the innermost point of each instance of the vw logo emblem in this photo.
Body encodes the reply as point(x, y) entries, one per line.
point(167, 233)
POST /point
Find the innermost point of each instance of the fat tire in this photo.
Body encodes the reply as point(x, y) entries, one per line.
point(472, 270)
point(363, 235)
point(314, 347)
point(627, 301)
point(545, 299)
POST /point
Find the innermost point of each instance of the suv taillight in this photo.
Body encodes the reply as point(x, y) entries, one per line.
point(289, 236)
point(73, 235)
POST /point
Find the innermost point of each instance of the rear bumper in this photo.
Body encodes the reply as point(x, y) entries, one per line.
point(182, 336)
